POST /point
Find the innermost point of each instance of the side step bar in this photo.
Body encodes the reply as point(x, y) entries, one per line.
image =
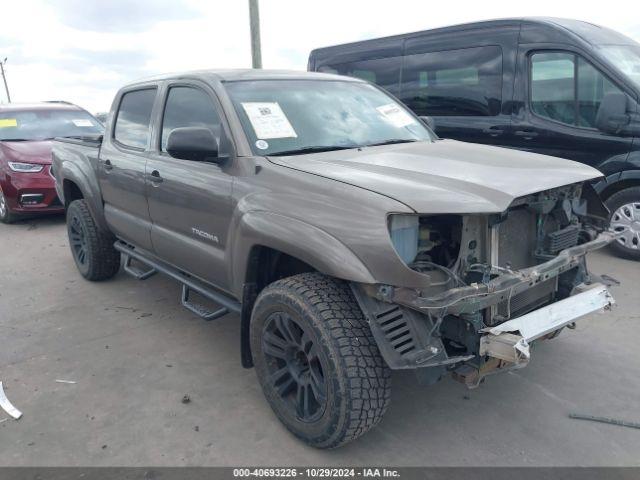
point(136, 272)
point(189, 283)
point(200, 310)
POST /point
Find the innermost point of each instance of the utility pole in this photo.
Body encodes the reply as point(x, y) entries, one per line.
point(4, 78)
point(254, 20)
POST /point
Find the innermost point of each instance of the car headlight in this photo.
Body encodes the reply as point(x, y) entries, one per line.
point(25, 167)
point(405, 231)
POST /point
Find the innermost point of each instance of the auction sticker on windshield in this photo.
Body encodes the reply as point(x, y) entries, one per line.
point(8, 122)
point(395, 115)
point(268, 120)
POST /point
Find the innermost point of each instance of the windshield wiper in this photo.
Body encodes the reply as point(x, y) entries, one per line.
point(14, 140)
point(315, 149)
point(392, 141)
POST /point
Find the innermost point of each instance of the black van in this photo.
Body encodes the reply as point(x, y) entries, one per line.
point(559, 87)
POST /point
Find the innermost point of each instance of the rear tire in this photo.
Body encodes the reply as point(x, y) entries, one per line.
point(92, 249)
point(316, 359)
point(5, 214)
point(625, 215)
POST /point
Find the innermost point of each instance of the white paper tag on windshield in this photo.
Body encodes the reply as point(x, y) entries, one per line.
point(82, 122)
point(395, 115)
point(268, 120)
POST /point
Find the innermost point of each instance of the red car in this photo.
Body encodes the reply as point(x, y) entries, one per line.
point(26, 131)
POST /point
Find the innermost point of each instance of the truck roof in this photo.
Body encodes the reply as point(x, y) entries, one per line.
point(53, 105)
point(229, 75)
point(577, 30)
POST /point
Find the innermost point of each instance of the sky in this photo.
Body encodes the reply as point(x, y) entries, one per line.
point(84, 50)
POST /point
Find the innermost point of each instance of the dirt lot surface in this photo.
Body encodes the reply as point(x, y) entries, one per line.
point(134, 353)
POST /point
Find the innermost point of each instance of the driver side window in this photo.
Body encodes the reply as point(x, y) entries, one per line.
point(566, 88)
point(189, 107)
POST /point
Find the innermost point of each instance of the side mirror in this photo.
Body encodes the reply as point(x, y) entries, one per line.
point(612, 114)
point(429, 122)
point(193, 143)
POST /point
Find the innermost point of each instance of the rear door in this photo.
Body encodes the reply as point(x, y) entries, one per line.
point(463, 80)
point(189, 201)
point(559, 90)
point(122, 167)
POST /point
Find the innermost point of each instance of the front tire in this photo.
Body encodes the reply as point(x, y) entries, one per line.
point(316, 359)
point(625, 216)
point(5, 214)
point(92, 248)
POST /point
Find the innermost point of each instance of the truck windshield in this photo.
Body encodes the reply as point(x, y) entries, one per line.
point(625, 58)
point(45, 124)
point(290, 117)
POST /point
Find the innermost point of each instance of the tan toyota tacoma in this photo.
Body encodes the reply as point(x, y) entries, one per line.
point(348, 237)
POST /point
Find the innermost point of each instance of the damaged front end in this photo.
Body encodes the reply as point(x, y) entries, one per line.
point(495, 284)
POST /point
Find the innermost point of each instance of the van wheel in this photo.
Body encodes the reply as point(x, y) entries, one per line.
point(92, 249)
point(5, 214)
point(316, 359)
point(625, 216)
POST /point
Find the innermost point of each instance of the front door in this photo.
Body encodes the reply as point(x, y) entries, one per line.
point(560, 93)
point(190, 201)
point(122, 167)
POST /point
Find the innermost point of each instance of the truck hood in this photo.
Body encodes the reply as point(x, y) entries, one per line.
point(445, 176)
point(28, 152)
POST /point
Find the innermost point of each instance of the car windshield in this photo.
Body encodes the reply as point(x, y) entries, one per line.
point(46, 124)
point(625, 58)
point(288, 117)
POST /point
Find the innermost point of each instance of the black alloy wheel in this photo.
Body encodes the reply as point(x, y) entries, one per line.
point(92, 248)
point(78, 241)
point(294, 366)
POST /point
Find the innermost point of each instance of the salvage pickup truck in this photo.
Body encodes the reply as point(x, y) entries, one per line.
point(349, 238)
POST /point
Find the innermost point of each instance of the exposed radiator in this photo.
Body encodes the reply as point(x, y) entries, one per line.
point(561, 239)
point(528, 300)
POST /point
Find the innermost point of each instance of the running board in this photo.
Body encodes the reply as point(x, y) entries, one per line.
point(189, 283)
point(200, 310)
point(136, 272)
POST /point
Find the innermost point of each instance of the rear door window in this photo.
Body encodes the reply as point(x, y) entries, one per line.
point(134, 117)
point(454, 82)
point(566, 88)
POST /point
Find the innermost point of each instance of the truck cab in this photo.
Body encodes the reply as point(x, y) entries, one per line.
point(559, 87)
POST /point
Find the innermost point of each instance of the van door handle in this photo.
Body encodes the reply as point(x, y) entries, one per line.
point(155, 177)
point(108, 165)
point(493, 131)
point(526, 134)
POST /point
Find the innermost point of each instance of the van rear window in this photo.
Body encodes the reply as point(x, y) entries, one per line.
point(454, 82)
point(381, 71)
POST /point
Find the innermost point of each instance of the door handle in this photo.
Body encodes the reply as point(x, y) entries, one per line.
point(108, 165)
point(155, 177)
point(493, 131)
point(526, 134)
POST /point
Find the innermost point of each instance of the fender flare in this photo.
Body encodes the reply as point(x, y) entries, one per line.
point(299, 239)
point(90, 189)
